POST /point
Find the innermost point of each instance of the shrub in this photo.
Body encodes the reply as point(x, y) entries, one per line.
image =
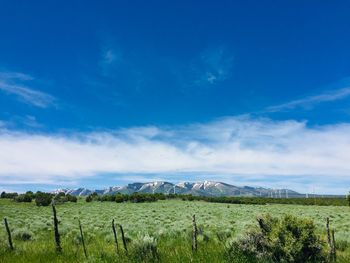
point(8, 195)
point(63, 198)
point(235, 254)
point(223, 235)
point(31, 194)
point(43, 199)
point(60, 195)
point(23, 198)
point(75, 237)
point(88, 198)
point(23, 234)
point(280, 240)
point(145, 249)
point(72, 198)
point(119, 198)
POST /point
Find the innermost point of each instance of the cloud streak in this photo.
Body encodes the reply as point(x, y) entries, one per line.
point(228, 147)
point(311, 101)
point(12, 83)
point(213, 66)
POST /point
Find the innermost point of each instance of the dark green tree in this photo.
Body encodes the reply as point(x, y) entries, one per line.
point(43, 199)
point(24, 198)
point(88, 198)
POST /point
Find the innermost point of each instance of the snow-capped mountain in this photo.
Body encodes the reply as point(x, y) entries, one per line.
point(206, 188)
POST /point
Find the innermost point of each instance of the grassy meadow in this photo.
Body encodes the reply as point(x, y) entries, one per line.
point(165, 224)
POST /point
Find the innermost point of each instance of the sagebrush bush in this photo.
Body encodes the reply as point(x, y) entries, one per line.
point(23, 234)
point(235, 254)
point(145, 249)
point(75, 237)
point(223, 235)
point(289, 239)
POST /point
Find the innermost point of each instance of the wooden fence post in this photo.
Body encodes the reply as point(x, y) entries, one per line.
point(328, 233)
point(334, 253)
point(194, 234)
point(82, 239)
point(115, 236)
point(57, 234)
point(331, 242)
point(8, 234)
point(123, 238)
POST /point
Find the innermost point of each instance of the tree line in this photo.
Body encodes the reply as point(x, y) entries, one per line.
point(45, 199)
point(145, 197)
point(40, 198)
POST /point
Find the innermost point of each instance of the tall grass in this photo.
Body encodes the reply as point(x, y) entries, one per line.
point(164, 227)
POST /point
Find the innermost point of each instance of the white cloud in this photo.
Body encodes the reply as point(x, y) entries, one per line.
point(311, 101)
point(213, 66)
point(110, 59)
point(15, 75)
point(12, 83)
point(109, 56)
point(227, 148)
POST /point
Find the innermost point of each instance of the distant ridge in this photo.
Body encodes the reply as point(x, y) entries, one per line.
point(206, 188)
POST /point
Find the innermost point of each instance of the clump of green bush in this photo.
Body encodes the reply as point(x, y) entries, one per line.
point(289, 239)
point(75, 237)
point(43, 199)
point(88, 199)
point(121, 198)
point(23, 234)
point(61, 198)
point(24, 198)
point(8, 195)
point(145, 249)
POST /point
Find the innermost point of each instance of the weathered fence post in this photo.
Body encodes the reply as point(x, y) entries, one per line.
point(331, 243)
point(8, 234)
point(194, 234)
point(57, 234)
point(334, 253)
point(123, 238)
point(82, 239)
point(115, 236)
point(328, 233)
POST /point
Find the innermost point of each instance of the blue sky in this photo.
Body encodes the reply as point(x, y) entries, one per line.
point(247, 92)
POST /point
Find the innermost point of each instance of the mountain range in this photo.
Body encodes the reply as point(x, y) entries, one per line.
point(206, 188)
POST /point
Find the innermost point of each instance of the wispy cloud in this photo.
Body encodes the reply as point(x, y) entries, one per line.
point(213, 66)
point(110, 59)
point(311, 101)
point(2, 124)
point(13, 83)
point(109, 56)
point(229, 147)
point(8, 75)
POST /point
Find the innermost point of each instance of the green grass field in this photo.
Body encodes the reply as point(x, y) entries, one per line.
point(168, 222)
